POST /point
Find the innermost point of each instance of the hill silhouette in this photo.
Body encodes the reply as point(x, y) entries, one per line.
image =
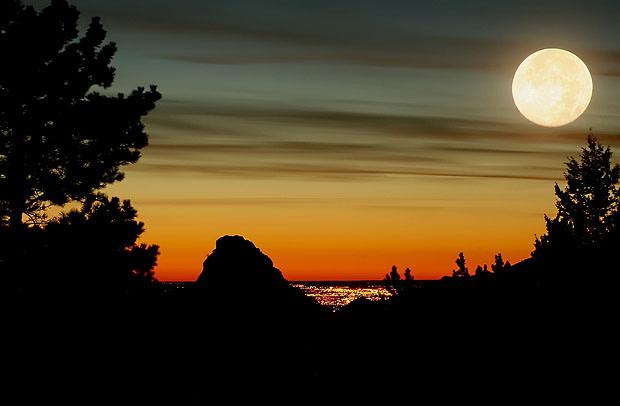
point(239, 275)
point(237, 260)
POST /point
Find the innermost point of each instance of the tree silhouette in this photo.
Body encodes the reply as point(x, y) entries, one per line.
point(94, 249)
point(482, 272)
point(461, 271)
point(393, 275)
point(589, 201)
point(397, 285)
point(584, 232)
point(392, 280)
point(499, 266)
point(60, 139)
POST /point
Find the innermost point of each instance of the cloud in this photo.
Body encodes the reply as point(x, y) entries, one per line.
point(240, 201)
point(423, 53)
point(416, 51)
point(236, 140)
point(480, 35)
point(330, 172)
point(178, 115)
point(486, 150)
point(299, 151)
point(390, 203)
point(601, 62)
point(209, 118)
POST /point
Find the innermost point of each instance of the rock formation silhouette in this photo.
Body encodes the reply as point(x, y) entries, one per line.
point(240, 274)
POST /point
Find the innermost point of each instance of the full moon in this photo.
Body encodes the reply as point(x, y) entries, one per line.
point(552, 87)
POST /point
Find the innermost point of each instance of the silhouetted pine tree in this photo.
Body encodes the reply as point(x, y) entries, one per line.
point(60, 140)
point(397, 285)
point(499, 266)
point(583, 235)
point(482, 271)
point(461, 271)
point(392, 280)
point(95, 249)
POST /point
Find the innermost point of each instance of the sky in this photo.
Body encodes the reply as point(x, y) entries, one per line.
point(344, 137)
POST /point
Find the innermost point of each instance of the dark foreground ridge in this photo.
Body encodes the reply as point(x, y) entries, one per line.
point(89, 322)
point(243, 323)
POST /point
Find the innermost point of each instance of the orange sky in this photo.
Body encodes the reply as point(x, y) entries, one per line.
point(326, 230)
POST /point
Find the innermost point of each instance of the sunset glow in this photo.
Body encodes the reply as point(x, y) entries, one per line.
point(347, 236)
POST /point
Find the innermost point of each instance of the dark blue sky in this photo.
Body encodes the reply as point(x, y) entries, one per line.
point(242, 77)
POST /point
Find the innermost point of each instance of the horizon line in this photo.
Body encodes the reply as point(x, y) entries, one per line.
point(312, 280)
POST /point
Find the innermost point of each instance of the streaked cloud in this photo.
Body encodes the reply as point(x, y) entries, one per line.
point(254, 201)
point(455, 35)
point(180, 116)
point(247, 142)
point(421, 52)
point(340, 172)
